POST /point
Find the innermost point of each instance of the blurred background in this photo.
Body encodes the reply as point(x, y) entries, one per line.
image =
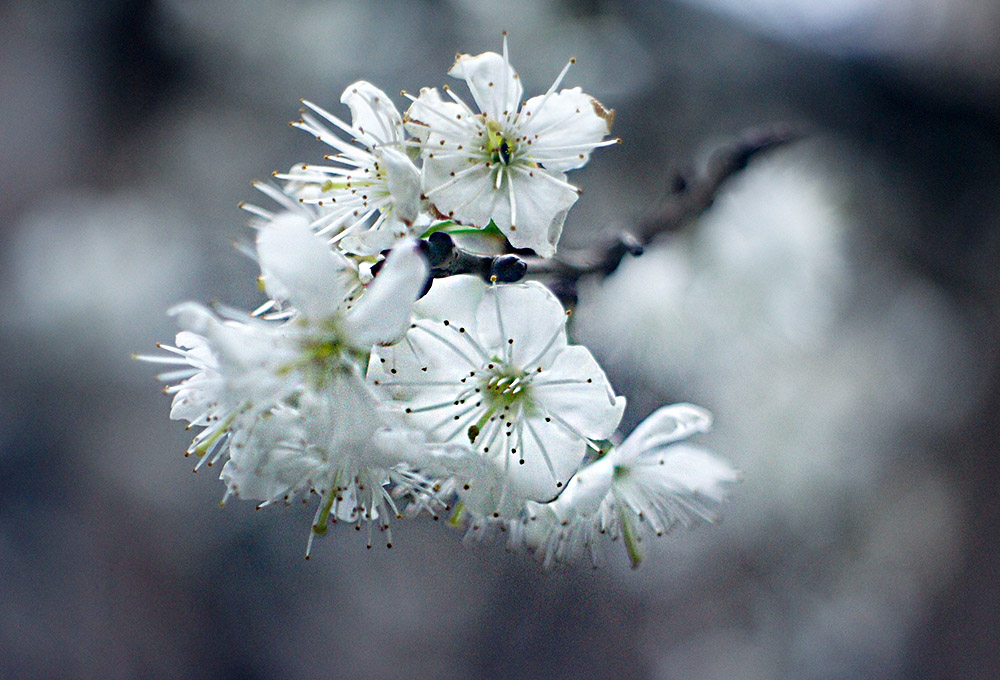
point(837, 309)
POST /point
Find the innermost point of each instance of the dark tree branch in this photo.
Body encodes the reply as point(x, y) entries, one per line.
point(688, 196)
point(447, 259)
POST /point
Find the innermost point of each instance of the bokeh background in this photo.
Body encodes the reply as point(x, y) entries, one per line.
point(837, 309)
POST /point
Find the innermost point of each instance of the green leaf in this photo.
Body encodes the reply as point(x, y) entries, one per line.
point(437, 226)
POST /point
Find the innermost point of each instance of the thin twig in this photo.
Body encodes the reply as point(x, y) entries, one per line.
point(689, 195)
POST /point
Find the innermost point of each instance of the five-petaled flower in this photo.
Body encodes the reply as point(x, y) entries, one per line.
point(490, 367)
point(651, 481)
point(369, 196)
point(507, 162)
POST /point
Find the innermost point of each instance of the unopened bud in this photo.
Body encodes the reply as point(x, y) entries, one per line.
point(440, 247)
point(508, 268)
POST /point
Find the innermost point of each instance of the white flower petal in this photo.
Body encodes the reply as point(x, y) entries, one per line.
point(461, 190)
point(532, 217)
point(551, 456)
point(563, 127)
point(341, 420)
point(429, 365)
point(527, 314)
point(268, 461)
point(576, 388)
point(541, 200)
point(197, 398)
point(194, 318)
point(239, 348)
point(446, 118)
point(585, 492)
point(455, 298)
point(373, 113)
point(687, 470)
point(493, 83)
point(384, 311)
point(446, 460)
point(373, 241)
point(664, 426)
point(403, 180)
point(300, 267)
point(428, 375)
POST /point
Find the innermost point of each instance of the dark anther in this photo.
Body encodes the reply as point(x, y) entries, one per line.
point(504, 152)
point(508, 268)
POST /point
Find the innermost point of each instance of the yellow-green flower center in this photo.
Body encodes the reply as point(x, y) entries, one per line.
point(506, 386)
point(504, 389)
point(500, 148)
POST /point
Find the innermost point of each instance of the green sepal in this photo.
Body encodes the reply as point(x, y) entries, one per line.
point(321, 525)
point(630, 538)
point(455, 520)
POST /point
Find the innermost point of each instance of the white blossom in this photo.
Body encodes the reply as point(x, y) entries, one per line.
point(506, 163)
point(338, 443)
point(231, 375)
point(300, 269)
point(368, 197)
point(650, 483)
point(490, 367)
point(286, 400)
point(470, 401)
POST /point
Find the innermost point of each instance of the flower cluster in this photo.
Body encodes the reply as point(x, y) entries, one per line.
point(384, 396)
